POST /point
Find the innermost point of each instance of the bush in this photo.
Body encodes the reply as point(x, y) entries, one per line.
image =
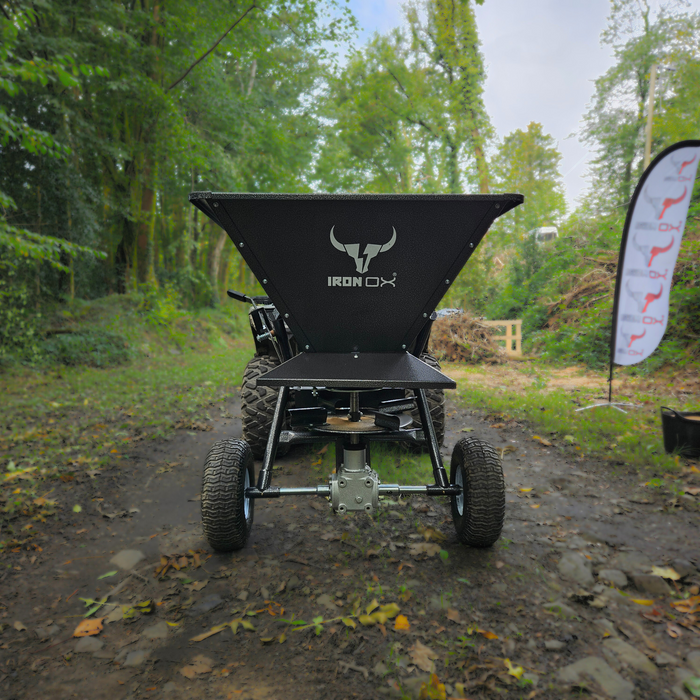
point(95, 348)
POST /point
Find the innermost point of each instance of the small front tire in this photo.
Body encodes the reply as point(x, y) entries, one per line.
point(478, 513)
point(227, 515)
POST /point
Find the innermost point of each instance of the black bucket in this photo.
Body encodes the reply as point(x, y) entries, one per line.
point(681, 432)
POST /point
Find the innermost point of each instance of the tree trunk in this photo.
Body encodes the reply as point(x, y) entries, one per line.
point(482, 167)
point(213, 265)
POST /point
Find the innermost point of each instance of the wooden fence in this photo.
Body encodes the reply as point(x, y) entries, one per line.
point(513, 336)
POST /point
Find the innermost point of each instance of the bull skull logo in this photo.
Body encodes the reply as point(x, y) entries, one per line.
point(371, 250)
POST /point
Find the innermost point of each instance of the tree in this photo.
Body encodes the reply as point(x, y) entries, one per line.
point(528, 162)
point(615, 123)
point(407, 111)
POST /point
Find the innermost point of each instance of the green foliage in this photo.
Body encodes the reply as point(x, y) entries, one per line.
point(615, 124)
point(528, 162)
point(20, 323)
point(407, 111)
point(95, 348)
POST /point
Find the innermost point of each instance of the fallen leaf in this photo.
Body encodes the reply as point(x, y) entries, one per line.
point(653, 615)
point(349, 622)
point(534, 505)
point(467, 430)
point(88, 628)
point(498, 425)
point(689, 605)
point(487, 634)
point(372, 606)
point(116, 615)
point(430, 533)
point(423, 656)
point(641, 601)
point(454, 616)
point(19, 626)
point(107, 575)
point(391, 610)
point(665, 572)
point(200, 665)
point(402, 624)
point(527, 490)
point(210, 633)
point(674, 631)
point(197, 585)
point(426, 548)
point(367, 620)
point(330, 537)
point(693, 490)
point(692, 683)
point(516, 671)
point(433, 689)
point(77, 508)
point(379, 617)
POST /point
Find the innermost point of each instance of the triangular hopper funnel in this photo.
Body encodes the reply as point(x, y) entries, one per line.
point(355, 272)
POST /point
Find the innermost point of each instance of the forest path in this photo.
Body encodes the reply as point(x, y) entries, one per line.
point(536, 598)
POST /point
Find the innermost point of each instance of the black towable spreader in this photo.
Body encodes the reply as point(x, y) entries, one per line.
point(352, 283)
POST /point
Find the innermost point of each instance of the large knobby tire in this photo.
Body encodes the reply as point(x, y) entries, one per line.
point(436, 403)
point(227, 515)
point(479, 512)
point(258, 406)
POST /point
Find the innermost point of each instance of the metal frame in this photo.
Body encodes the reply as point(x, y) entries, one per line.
point(441, 487)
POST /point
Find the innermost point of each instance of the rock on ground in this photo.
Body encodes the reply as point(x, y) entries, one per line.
point(88, 645)
point(631, 656)
point(632, 562)
point(595, 669)
point(127, 559)
point(613, 576)
point(649, 583)
point(577, 568)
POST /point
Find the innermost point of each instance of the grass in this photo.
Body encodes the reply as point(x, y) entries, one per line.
point(394, 464)
point(633, 439)
point(62, 422)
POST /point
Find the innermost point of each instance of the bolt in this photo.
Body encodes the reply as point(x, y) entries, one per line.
point(216, 204)
point(498, 206)
point(264, 281)
point(447, 281)
point(403, 347)
point(425, 315)
point(358, 499)
point(306, 347)
point(356, 356)
point(286, 315)
point(240, 245)
point(471, 245)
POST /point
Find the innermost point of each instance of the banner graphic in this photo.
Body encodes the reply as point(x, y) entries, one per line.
point(651, 240)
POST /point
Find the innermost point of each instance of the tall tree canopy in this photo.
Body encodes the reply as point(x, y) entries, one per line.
point(198, 95)
point(408, 109)
point(615, 124)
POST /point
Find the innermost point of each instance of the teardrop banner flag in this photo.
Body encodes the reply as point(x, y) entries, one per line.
point(651, 240)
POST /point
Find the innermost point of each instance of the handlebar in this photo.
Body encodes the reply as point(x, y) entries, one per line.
point(255, 301)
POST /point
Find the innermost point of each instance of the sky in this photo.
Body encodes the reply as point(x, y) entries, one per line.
point(542, 57)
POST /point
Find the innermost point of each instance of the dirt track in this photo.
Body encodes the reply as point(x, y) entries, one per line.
point(471, 608)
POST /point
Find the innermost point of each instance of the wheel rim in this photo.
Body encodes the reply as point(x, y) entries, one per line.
point(459, 500)
point(246, 500)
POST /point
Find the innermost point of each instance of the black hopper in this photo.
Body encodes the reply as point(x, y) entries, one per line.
point(352, 282)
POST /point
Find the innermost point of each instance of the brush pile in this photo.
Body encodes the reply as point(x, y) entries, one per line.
point(462, 338)
point(586, 290)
